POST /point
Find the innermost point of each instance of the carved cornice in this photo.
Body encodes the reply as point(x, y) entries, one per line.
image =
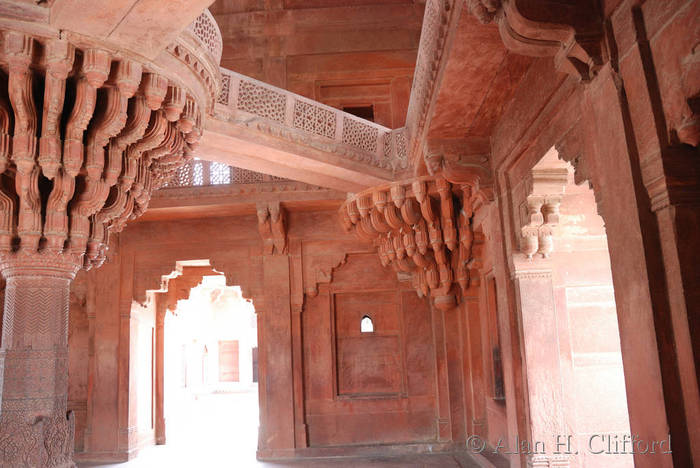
point(92, 164)
point(439, 19)
point(204, 66)
point(205, 191)
point(421, 226)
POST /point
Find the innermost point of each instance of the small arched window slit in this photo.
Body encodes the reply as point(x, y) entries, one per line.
point(366, 325)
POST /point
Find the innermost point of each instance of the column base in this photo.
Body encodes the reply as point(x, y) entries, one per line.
point(45, 442)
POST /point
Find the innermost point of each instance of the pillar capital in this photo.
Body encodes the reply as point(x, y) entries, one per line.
point(43, 265)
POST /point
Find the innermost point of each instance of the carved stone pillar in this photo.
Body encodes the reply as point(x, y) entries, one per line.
point(535, 299)
point(72, 171)
point(160, 370)
point(35, 428)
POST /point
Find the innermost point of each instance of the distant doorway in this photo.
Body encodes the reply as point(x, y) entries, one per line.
point(210, 347)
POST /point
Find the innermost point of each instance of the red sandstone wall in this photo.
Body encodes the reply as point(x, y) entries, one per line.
point(344, 54)
point(401, 355)
point(368, 388)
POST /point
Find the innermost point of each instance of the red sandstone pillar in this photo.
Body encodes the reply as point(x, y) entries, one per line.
point(535, 299)
point(160, 364)
point(35, 428)
point(276, 377)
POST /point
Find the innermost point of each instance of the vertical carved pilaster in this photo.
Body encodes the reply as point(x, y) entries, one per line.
point(544, 394)
point(161, 310)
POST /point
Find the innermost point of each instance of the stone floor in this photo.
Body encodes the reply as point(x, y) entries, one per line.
point(220, 430)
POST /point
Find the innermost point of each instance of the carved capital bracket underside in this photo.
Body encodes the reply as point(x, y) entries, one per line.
point(85, 138)
point(272, 225)
point(542, 30)
point(423, 226)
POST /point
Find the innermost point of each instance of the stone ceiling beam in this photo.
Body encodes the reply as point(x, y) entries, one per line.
point(250, 149)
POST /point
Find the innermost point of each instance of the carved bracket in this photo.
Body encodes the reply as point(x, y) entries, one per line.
point(572, 33)
point(272, 225)
point(541, 208)
point(179, 284)
point(422, 226)
point(89, 166)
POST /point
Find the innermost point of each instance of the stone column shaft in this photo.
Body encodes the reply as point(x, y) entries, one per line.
point(35, 428)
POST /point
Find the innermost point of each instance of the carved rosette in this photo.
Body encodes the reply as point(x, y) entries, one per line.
point(85, 138)
point(422, 227)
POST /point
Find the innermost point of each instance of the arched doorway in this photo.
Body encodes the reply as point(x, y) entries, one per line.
point(210, 402)
point(575, 387)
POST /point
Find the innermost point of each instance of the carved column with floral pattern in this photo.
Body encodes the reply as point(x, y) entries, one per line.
point(87, 136)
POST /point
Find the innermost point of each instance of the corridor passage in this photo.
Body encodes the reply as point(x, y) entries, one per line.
point(214, 430)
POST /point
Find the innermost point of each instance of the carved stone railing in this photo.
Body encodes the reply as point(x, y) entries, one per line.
point(302, 119)
point(208, 32)
point(198, 173)
point(198, 50)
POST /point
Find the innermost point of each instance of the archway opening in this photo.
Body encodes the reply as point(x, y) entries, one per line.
point(575, 377)
point(210, 381)
point(193, 351)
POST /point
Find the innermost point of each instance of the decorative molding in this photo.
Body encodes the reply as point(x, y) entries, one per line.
point(199, 48)
point(217, 191)
point(548, 461)
point(439, 18)
point(532, 274)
